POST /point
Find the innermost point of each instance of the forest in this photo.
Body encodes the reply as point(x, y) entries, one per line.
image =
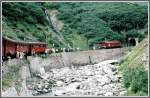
point(84, 23)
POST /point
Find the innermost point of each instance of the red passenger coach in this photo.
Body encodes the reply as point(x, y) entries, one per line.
point(11, 47)
point(110, 44)
point(22, 47)
point(38, 47)
point(8, 47)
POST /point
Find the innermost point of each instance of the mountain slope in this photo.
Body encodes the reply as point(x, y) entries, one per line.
point(135, 70)
point(84, 24)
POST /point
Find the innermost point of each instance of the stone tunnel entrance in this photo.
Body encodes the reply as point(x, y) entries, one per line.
point(132, 41)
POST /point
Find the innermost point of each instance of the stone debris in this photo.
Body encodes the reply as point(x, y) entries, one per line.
point(100, 79)
point(43, 87)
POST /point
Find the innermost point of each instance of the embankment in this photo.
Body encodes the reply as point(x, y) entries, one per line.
point(59, 60)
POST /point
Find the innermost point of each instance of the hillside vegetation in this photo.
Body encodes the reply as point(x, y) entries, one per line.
point(135, 70)
point(83, 23)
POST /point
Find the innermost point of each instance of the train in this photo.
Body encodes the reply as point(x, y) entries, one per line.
point(110, 44)
point(11, 47)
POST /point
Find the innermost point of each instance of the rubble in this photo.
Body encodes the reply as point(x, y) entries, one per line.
point(100, 79)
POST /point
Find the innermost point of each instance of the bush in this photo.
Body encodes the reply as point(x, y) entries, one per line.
point(7, 80)
point(137, 79)
point(141, 93)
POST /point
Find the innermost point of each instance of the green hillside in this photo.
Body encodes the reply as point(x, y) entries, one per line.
point(83, 23)
point(135, 70)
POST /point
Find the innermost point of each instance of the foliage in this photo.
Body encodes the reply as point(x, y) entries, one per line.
point(99, 22)
point(137, 79)
point(135, 76)
point(93, 22)
point(7, 80)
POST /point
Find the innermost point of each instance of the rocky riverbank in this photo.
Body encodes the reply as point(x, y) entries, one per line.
point(100, 79)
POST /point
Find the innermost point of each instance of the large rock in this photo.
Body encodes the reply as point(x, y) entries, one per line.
point(59, 83)
point(88, 72)
point(103, 80)
point(114, 79)
point(59, 92)
point(73, 86)
point(109, 94)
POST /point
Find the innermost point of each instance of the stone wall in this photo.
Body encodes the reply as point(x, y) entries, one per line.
point(59, 60)
point(95, 56)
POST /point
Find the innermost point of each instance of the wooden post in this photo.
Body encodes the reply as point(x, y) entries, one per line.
point(90, 60)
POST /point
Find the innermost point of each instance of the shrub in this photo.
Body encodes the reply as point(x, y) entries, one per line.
point(7, 80)
point(137, 79)
point(141, 93)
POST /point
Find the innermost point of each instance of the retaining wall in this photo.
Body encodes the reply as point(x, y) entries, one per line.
point(58, 60)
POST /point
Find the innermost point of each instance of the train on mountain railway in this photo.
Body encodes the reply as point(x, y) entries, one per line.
point(11, 48)
point(110, 44)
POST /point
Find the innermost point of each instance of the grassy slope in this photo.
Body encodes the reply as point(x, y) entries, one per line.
point(135, 69)
point(134, 58)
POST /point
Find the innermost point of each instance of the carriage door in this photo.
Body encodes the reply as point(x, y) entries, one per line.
point(30, 49)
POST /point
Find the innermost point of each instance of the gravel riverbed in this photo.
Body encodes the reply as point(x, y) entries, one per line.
point(100, 79)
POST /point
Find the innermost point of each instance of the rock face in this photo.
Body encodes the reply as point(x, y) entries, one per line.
point(91, 80)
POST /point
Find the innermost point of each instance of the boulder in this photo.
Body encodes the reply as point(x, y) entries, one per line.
point(73, 86)
point(59, 92)
point(45, 90)
point(88, 72)
point(114, 79)
point(109, 94)
point(103, 80)
point(59, 83)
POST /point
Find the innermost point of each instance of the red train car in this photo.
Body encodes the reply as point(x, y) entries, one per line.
point(38, 47)
point(110, 44)
point(10, 47)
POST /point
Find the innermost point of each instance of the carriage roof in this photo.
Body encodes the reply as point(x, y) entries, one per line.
point(23, 42)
